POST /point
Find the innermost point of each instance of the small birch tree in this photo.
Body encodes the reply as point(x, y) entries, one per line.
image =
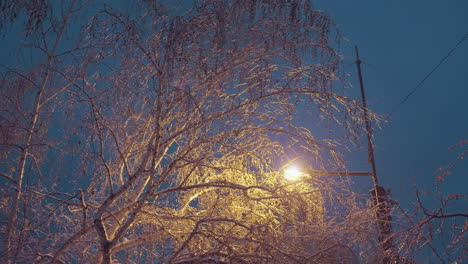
point(158, 134)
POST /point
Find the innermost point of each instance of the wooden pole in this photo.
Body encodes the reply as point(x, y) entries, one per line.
point(370, 145)
point(378, 193)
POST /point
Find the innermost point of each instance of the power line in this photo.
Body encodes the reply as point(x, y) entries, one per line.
point(427, 76)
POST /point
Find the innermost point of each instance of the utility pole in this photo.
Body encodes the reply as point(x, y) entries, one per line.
point(379, 194)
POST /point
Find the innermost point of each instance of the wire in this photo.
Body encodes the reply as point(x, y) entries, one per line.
point(427, 76)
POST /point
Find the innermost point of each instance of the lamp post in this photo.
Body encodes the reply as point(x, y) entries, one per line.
point(379, 194)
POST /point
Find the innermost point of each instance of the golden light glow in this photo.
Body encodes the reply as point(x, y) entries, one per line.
point(292, 173)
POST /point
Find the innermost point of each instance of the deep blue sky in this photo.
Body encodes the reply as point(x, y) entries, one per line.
point(401, 42)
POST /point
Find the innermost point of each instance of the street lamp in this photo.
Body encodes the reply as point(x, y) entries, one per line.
point(327, 173)
point(293, 173)
point(379, 196)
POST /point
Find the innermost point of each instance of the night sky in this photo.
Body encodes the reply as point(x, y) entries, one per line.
point(400, 43)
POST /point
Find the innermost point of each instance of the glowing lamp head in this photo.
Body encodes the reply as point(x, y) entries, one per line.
point(292, 173)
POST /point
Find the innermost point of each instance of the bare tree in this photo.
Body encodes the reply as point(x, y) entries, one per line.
point(159, 134)
point(437, 224)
